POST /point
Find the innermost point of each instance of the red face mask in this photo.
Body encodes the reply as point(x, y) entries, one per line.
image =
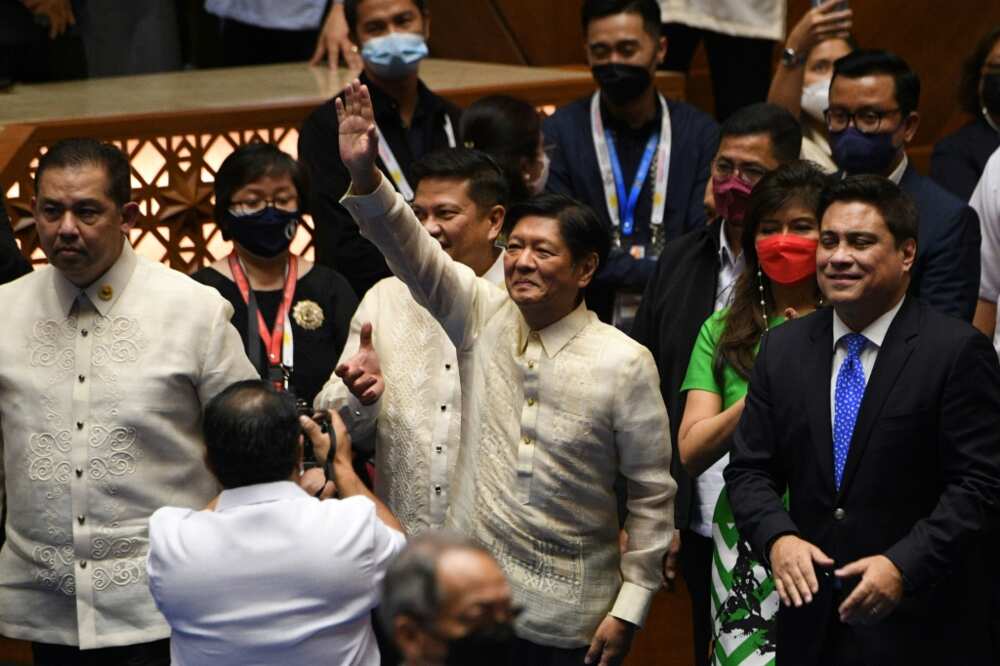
point(787, 258)
point(731, 197)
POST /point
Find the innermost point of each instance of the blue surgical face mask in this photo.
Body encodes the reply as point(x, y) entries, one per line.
point(394, 56)
point(267, 233)
point(856, 152)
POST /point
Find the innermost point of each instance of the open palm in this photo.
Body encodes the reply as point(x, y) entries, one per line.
point(358, 135)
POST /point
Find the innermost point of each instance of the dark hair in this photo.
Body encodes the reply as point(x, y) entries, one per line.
point(799, 181)
point(351, 11)
point(487, 180)
point(867, 62)
point(411, 582)
point(579, 226)
point(971, 75)
point(252, 162)
point(508, 129)
point(893, 204)
point(777, 122)
point(91, 152)
point(251, 434)
point(649, 10)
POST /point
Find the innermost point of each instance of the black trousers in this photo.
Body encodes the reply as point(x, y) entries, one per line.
point(526, 653)
point(741, 66)
point(156, 653)
point(696, 567)
point(245, 44)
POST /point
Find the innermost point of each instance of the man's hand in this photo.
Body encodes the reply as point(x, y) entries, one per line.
point(878, 593)
point(315, 483)
point(792, 561)
point(334, 41)
point(58, 12)
point(826, 21)
point(358, 137)
point(611, 642)
point(671, 560)
point(362, 373)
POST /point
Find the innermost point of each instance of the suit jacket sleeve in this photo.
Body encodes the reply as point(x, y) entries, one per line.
point(755, 477)
point(953, 170)
point(950, 279)
point(707, 141)
point(560, 181)
point(969, 455)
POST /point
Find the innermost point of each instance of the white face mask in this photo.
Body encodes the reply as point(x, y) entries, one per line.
point(537, 186)
point(816, 99)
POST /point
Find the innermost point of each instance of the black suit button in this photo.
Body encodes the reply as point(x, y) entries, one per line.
point(839, 514)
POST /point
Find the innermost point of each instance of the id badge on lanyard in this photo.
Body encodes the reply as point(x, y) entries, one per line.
point(392, 164)
point(621, 204)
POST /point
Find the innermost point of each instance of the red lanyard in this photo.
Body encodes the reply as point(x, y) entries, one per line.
point(274, 339)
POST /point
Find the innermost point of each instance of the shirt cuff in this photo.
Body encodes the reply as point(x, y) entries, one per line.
point(633, 603)
point(370, 206)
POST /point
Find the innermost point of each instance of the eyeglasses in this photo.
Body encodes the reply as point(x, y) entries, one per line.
point(750, 173)
point(288, 203)
point(868, 121)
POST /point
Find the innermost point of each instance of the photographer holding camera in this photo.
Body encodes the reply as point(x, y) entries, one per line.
point(267, 573)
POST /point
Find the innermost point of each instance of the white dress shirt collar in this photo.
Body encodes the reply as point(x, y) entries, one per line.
point(897, 173)
point(259, 493)
point(726, 254)
point(105, 290)
point(874, 332)
point(557, 335)
point(495, 272)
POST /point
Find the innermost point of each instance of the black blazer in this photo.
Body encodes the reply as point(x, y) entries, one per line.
point(946, 273)
point(959, 159)
point(921, 485)
point(678, 300)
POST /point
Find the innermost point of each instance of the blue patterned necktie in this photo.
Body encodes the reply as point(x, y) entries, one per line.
point(847, 401)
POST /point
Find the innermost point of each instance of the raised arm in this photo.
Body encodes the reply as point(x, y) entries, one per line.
point(450, 291)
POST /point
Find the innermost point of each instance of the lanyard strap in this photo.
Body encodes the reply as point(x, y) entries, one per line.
point(278, 342)
point(604, 146)
point(632, 198)
point(392, 164)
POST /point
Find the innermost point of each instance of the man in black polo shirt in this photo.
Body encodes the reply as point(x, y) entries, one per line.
point(412, 120)
point(695, 277)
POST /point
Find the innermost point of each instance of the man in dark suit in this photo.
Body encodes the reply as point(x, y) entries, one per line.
point(412, 120)
point(872, 116)
point(881, 418)
point(638, 160)
point(695, 277)
point(12, 263)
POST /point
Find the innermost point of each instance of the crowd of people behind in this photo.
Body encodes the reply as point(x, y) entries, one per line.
point(538, 369)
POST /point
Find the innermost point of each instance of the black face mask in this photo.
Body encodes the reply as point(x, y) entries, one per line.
point(991, 93)
point(486, 646)
point(622, 83)
point(267, 233)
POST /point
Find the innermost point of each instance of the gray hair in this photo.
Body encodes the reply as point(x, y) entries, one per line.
point(411, 584)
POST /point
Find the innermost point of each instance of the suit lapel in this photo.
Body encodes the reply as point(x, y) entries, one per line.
point(892, 357)
point(816, 365)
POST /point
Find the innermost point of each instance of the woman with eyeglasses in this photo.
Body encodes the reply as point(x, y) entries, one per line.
point(780, 236)
point(294, 315)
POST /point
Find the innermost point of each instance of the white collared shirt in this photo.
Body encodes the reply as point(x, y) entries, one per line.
point(759, 19)
point(417, 422)
point(549, 419)
point(986, 202)
point(873, 332)
point(897, 174)
point(101, 397)
point(709, 484)
point(272, 576)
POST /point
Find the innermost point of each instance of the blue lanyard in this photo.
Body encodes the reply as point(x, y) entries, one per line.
point(626, 205)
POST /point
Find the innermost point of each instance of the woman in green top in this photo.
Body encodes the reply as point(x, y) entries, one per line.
point(780, 235)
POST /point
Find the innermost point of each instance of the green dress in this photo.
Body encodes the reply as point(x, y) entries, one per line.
point(744, 600)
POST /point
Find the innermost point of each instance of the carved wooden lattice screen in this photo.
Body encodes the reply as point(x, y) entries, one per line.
point(173, 174)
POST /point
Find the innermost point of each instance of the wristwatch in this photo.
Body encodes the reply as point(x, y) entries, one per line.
point(789, 58)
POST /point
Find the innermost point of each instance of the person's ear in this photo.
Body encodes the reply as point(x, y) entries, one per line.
point(910, 126)
point(586, 268)
point(661, 50)
point(909, 250)
point(409, 639)
point(130, 215)
point(495, 218)
point(427, 24)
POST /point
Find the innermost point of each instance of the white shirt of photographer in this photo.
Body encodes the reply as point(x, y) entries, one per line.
point(549, 419)
point(758, 19)
point(417, 422)
point(272, 576)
